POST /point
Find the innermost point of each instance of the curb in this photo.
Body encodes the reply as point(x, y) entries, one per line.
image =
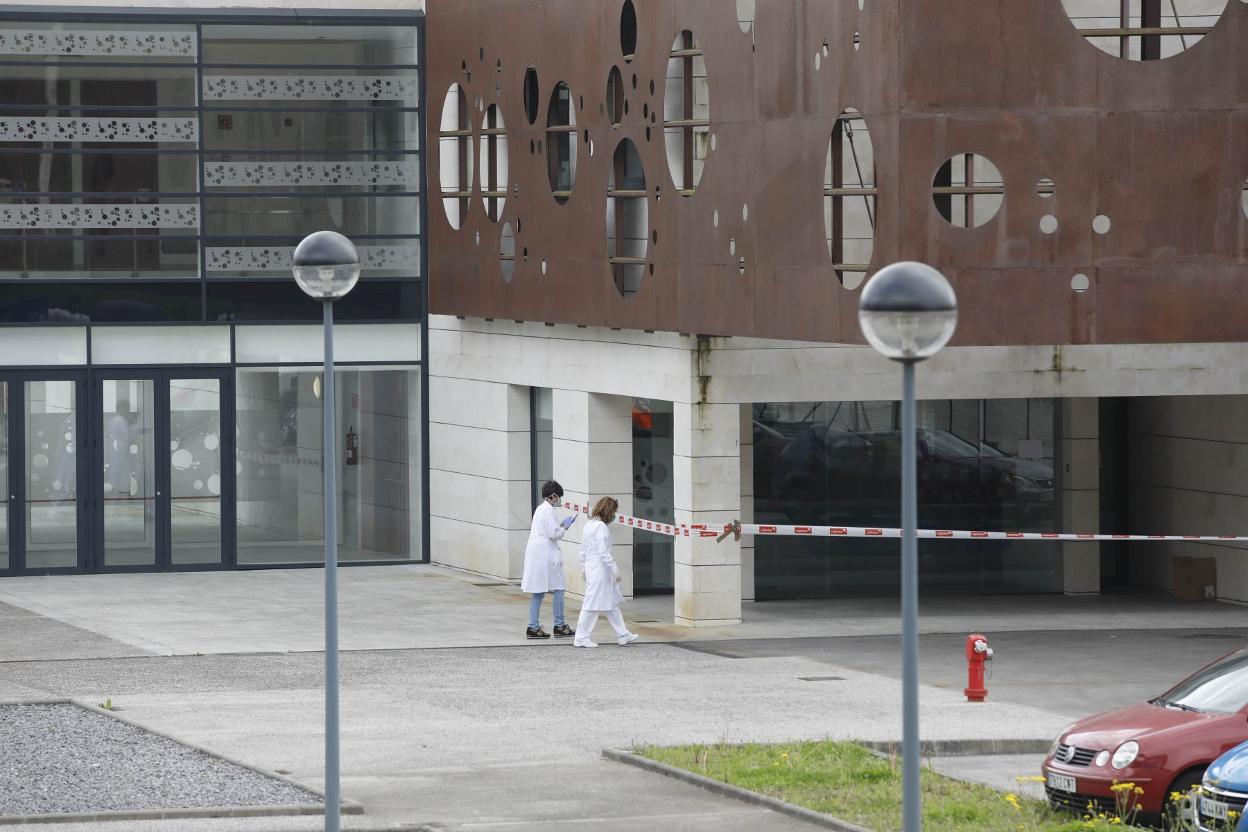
point(735, 792)
point(349, 807)
point(964, 748)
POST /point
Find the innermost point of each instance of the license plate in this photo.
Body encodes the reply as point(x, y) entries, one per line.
point(1061, 782)
point(1215, 809)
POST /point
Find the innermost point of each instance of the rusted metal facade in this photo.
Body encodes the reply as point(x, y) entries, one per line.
point(1158, 147)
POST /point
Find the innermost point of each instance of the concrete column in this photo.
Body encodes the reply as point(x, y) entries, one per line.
point(593, 451)
point(479, 475)
point(747, 500)
point(707, 461)
point(1079, 434)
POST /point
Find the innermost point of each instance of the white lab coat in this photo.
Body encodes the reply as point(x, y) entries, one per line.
point(602, 592)
point(543, 561)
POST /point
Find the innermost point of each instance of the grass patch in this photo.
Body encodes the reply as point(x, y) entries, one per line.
point(847, 781)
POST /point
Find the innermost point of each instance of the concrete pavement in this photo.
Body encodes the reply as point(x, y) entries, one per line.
point(441, 729)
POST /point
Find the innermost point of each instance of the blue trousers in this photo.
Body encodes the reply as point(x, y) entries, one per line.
point(535, 608)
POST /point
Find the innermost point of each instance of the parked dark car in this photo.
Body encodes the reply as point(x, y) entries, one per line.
point(826, 463)
point(1162, 746)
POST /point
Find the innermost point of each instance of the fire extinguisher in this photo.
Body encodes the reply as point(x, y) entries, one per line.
point(353, 446)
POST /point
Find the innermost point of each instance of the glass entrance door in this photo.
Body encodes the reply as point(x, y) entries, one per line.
point(158, 481)
point(127, 425)
point(41, 525)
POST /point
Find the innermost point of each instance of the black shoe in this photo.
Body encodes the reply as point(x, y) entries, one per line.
point(529, 632)
point(564, 631)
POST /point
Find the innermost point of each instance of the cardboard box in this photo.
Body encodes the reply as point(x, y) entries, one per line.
point(1194, 579)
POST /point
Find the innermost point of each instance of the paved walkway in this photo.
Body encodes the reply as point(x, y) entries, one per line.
point(490, 732)
point(412, 607)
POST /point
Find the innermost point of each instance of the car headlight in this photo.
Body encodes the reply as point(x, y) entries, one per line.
point(1126, 754)
point(1102, 758)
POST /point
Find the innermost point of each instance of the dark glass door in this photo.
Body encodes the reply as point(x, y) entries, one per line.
point(42, 517)
point(160, 492)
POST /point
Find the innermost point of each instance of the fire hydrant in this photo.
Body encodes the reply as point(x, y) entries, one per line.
point(978, 654)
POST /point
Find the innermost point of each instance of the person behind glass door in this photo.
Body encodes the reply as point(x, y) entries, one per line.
point(602, 578)
point(543, 563)
point(118, 439)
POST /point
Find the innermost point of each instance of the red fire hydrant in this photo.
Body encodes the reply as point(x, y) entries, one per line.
point(978, 654)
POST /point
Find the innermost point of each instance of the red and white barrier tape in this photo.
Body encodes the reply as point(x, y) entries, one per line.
point(669, 529)
point(699, 530)
point(962, 534)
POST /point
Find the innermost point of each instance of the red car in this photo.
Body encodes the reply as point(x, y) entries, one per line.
point(1162, 746)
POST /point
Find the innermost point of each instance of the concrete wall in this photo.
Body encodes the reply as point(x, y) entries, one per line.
point(1188, 464)
point(479, 474)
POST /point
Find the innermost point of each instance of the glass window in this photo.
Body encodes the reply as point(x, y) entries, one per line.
point(26, 174)
point(57, 88)
point(54, 254)
point(654, 496)
point(329, 130)
point(281, 300)
point(279, 216)
point(384, 45)
point(174, 345)
point(42, 346)
point(296, 344)
point(123, 148)
point(100, 302)
point(280, 479)
point(981, 465)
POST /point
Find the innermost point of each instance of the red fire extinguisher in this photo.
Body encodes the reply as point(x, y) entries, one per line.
point(978, 654)
point(353, 446)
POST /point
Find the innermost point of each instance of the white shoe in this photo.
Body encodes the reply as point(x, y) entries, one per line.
point(628, 639)
point(584, 644)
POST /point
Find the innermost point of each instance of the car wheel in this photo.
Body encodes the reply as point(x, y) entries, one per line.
point(1180, 815)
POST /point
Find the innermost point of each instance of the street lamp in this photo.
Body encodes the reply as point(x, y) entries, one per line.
point(908, 311)
point(326, 267)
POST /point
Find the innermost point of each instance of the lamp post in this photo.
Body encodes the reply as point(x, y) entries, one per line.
point(908, 311)
point(326, 267)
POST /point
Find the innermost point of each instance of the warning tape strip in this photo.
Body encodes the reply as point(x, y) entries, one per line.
point(669, 529)
point(963, 534)
point(700, 530)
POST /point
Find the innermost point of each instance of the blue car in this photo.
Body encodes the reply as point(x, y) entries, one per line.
point(1224, 791)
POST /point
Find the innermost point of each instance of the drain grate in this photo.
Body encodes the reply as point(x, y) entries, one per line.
point(496, 583)
point(822, 678)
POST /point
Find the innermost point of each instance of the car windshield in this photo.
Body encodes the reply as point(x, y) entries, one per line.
point(1221, 688)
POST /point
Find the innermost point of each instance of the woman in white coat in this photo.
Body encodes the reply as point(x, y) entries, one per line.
point(602, 578)
point(543, 563)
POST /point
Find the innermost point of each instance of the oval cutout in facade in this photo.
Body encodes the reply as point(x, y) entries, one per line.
point(455, 156)
point(849, 198)
point(561, 143)
point(686, 113)
point(628, 219)
point(493, 163)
